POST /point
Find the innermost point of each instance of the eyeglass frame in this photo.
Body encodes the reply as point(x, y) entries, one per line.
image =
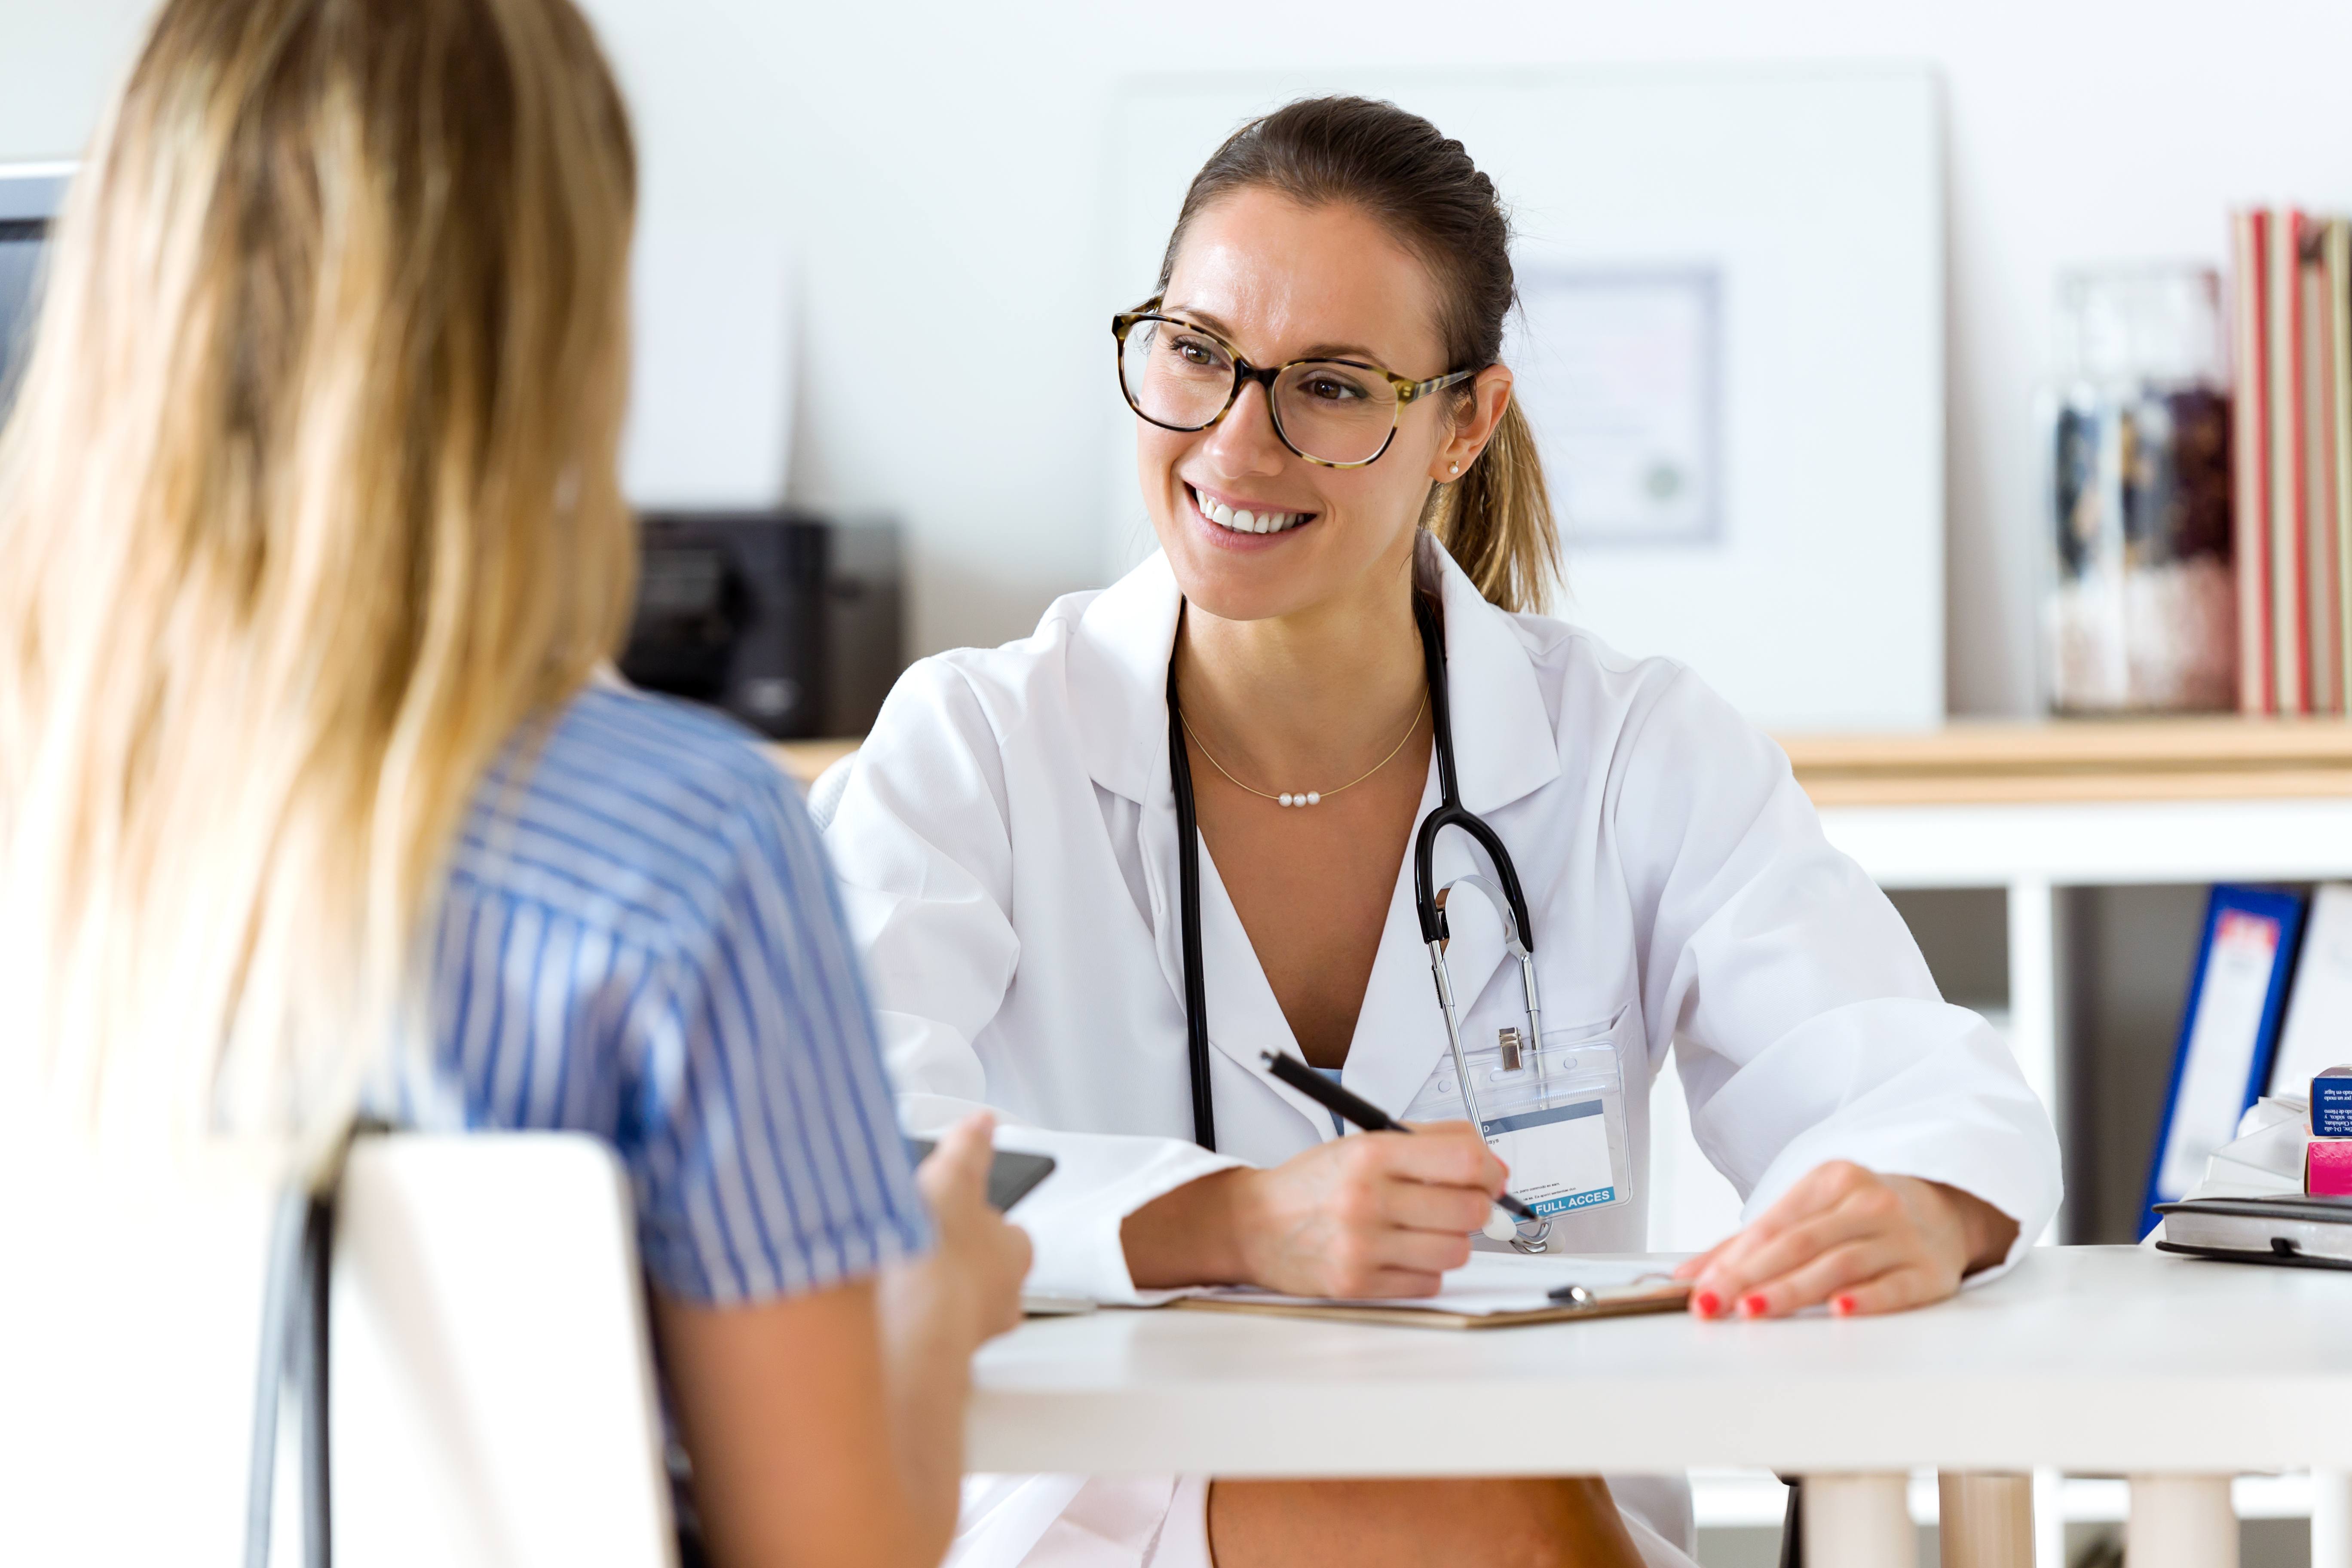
point(1407, 391)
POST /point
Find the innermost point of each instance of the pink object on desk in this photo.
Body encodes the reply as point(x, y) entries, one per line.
point(2327, 1167)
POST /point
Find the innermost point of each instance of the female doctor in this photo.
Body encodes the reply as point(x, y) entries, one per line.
point(1353, 532)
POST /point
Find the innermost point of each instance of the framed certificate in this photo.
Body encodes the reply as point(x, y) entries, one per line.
point(1618, 373)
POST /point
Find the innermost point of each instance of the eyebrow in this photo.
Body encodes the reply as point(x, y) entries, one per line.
point(1315, 351)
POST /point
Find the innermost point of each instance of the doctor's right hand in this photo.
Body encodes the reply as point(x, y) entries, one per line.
point(1370, 1214)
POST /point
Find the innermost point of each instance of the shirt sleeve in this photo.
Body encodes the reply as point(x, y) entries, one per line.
point(767, 1158)
point(1801, 1012)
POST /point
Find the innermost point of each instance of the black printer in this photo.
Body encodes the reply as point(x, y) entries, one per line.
point(792, 623)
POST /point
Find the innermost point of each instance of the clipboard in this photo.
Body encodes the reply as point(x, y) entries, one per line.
point(1634, 1300)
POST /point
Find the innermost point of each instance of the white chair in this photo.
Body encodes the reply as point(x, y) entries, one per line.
point(491, 1388)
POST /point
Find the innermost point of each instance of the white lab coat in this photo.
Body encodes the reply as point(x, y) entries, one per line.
point(1006, 844)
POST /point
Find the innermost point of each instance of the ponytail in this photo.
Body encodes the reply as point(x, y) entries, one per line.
point(1496, 521)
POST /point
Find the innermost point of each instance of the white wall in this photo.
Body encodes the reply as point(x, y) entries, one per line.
point(942, 154)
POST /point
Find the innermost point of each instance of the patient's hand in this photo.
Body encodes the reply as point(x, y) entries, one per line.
point(1860, 1241)
point(1374, 1215)
point(968, 1289)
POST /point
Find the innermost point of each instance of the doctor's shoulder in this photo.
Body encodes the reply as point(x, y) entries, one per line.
point(951, 716)
point(1643, 714)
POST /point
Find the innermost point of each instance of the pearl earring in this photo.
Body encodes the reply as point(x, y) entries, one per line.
point(1453, 468)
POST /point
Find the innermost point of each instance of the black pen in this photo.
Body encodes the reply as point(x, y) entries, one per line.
point(1355, 1108)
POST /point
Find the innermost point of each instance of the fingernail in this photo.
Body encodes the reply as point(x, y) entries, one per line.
point(1707, 1302)
point(1843, 1306)
point(1753, 1306)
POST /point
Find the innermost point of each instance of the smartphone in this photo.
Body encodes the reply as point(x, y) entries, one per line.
point(1011, 1175)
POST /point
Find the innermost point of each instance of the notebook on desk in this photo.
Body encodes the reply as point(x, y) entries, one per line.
point(2297, 1230)
point(1490, 1291)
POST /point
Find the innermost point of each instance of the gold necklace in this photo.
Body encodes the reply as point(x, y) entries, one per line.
point(1312, 796)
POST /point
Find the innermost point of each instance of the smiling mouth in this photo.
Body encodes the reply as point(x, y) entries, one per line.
point(1234, 520)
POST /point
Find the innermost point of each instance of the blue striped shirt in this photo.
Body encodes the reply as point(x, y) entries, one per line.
point(641, 940)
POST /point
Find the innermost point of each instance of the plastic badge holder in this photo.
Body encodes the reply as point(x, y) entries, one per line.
point(1556, 1115)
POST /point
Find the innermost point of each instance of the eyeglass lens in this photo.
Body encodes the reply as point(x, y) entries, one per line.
point(1184, 379)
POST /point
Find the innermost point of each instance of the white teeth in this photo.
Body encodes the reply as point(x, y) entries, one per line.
point(1243, 522)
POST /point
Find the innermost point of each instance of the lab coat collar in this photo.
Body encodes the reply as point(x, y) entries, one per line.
point(1504, 743)
point(1119, 682)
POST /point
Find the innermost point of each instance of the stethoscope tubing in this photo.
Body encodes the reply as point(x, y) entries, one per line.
point(1188, 883)
point(1450, 811)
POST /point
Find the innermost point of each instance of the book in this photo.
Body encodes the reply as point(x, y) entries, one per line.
point(2250, 470)
point(2301, 1231)
point(2317, 1031)
point(2228, 1031)
point(2336, 266)
point(2323, 607)
point(2290, 635)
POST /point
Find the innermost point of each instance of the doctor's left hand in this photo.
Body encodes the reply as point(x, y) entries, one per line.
point(1859, 1240)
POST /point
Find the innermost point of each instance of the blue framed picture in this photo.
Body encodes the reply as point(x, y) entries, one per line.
point(2228, 1031)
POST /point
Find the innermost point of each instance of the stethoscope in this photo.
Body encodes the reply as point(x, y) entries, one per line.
point(1429, 902)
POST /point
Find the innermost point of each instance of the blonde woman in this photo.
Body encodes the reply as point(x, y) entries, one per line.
point(311, 543)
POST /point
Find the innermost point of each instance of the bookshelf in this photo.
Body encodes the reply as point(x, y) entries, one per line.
point(2060, 762)
point(2033, 811)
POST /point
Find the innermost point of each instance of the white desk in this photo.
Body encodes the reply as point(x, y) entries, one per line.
point(2107, 1360)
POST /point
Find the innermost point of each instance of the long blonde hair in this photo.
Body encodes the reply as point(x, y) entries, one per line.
point(308, 506)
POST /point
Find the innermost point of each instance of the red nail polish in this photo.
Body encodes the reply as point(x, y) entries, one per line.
point(1707, 1302)
point(1843, 1306)
point(1754, 1306)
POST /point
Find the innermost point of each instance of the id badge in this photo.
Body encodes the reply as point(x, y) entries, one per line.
point(1554, 1113)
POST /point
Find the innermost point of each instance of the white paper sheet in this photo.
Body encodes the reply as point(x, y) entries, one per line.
point(1489, 1284)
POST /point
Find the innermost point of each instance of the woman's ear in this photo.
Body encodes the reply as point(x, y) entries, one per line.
point(1474, 419)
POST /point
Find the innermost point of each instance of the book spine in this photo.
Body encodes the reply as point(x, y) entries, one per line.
point(2291, 648)
point(2338, 269)
point(2320, 610)
point(2249, 465)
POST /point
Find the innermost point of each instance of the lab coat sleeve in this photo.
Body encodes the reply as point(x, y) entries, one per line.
point(922, 846)
point(1804, 1018)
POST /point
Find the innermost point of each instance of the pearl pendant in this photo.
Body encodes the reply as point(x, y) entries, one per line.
point(1312, 798)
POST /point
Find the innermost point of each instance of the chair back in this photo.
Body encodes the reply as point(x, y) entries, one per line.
point(491, 1398)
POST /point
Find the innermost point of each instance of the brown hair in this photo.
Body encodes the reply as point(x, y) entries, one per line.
point(1497, 519)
